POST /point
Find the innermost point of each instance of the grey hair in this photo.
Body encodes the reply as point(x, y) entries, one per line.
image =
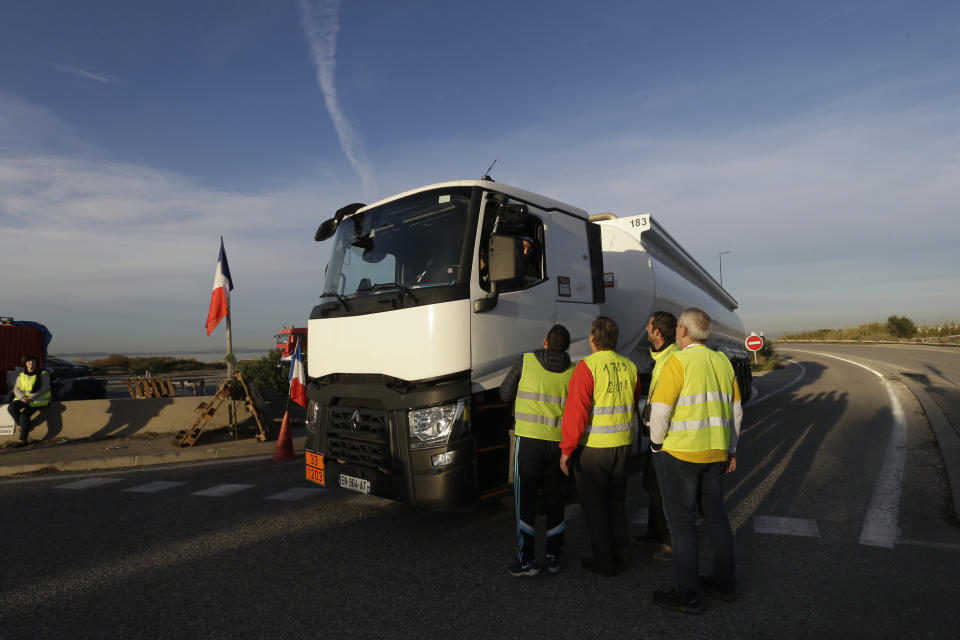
point(697, 323)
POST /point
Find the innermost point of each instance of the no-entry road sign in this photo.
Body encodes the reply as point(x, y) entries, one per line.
point(754, 343)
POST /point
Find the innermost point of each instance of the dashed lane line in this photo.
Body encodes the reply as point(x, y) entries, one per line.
point(87, 483)
point(154, 487)
point(216, 491)
point(786, 526)
point(222, 490)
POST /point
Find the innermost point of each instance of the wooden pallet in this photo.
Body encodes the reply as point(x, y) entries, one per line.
point(151, 387)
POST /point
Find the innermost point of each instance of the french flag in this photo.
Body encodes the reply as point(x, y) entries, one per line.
point(220, 296)
point(298, 379)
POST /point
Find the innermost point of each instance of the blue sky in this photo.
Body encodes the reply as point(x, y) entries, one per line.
point(818, 142)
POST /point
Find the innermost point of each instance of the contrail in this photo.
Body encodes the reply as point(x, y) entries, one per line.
point(320, 23)
point(80, 73)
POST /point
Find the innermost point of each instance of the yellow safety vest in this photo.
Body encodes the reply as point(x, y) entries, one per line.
point(614, 383)
point(25, 382)
point(703, 415)
point(541, 396)
point(659, 358)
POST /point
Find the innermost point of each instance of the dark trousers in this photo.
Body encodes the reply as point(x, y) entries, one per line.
point(680, 483)
point(602, 486)
point(22, 412)
point(656, 519)
point(536, 468)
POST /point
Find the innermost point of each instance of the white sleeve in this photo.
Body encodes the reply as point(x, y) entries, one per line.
point(735, 432)
point(659, 421)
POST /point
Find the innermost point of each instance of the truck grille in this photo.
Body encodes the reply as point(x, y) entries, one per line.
point(360, 436)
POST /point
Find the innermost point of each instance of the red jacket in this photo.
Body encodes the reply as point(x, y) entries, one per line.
point(576, 413)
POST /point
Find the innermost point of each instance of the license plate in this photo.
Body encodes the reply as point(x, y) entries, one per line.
point(355, 484)
point(314, 469)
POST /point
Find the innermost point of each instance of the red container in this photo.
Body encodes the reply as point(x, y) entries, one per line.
point(16, 342)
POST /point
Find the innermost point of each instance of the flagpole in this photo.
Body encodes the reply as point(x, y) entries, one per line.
point(229, 342)
point(230, 412)
point(229, 334)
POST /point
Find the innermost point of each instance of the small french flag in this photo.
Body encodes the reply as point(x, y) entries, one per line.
point(220, 296)
point(298, 378)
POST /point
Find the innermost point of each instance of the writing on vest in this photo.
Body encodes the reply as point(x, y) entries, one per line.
point(611, 418)
point(541, 396)
point(703, 416)
point(25, 383)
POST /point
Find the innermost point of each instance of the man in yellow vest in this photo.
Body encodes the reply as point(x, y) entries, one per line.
point(598, 425)
point(694, 427)
point(661, 334)
point(538, 387)
point(31, 393)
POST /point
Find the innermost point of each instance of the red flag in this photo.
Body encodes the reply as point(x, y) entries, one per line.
point(220, 296)
point(298, 379)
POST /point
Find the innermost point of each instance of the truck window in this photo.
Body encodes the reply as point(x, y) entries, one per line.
point(533, 255)
point(416, 242)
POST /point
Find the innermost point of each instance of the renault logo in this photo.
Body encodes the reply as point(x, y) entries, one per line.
point(355, 420)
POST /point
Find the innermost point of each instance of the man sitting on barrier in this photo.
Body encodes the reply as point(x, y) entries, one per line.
point(31, 393)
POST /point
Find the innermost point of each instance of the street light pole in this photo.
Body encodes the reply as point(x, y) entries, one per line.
point(720, 255)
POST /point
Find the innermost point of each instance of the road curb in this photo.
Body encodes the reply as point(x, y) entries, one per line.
point(947, 438)
point(134, 461)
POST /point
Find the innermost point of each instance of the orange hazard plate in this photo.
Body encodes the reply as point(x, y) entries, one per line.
point(315, 467)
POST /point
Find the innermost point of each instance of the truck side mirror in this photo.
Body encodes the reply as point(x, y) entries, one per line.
point(506, 258)
point(326, 230)
point(329, 227)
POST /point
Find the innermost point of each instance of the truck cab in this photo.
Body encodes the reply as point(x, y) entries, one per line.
point(285, 342)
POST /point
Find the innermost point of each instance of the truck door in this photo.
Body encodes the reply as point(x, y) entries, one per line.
point(525, 308)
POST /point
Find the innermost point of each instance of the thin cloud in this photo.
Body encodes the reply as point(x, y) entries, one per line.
point(82, 73)
point(124, 246)
point(321, 25)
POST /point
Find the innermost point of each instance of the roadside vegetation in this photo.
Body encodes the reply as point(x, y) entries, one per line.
point(118, 364)
point(268, 372)
point(767, 358)
point(896, 328)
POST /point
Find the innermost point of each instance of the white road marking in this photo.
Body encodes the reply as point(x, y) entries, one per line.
point(786, 526)
point(297, 493)
point(880, 525)
point(154, 487)
point(781, 388)
point(221, 490)
point(88, 483)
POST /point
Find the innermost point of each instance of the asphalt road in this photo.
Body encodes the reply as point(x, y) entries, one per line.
point(936, 369)
point(827, 545)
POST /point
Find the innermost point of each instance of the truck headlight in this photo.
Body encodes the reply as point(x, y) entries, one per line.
point(434, 426)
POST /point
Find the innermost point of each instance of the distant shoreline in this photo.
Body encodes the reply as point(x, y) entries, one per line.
point(201, 356)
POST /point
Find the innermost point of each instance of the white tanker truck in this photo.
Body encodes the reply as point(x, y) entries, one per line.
point(432, 294)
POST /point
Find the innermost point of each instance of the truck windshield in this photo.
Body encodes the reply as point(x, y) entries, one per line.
point(416, 242)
